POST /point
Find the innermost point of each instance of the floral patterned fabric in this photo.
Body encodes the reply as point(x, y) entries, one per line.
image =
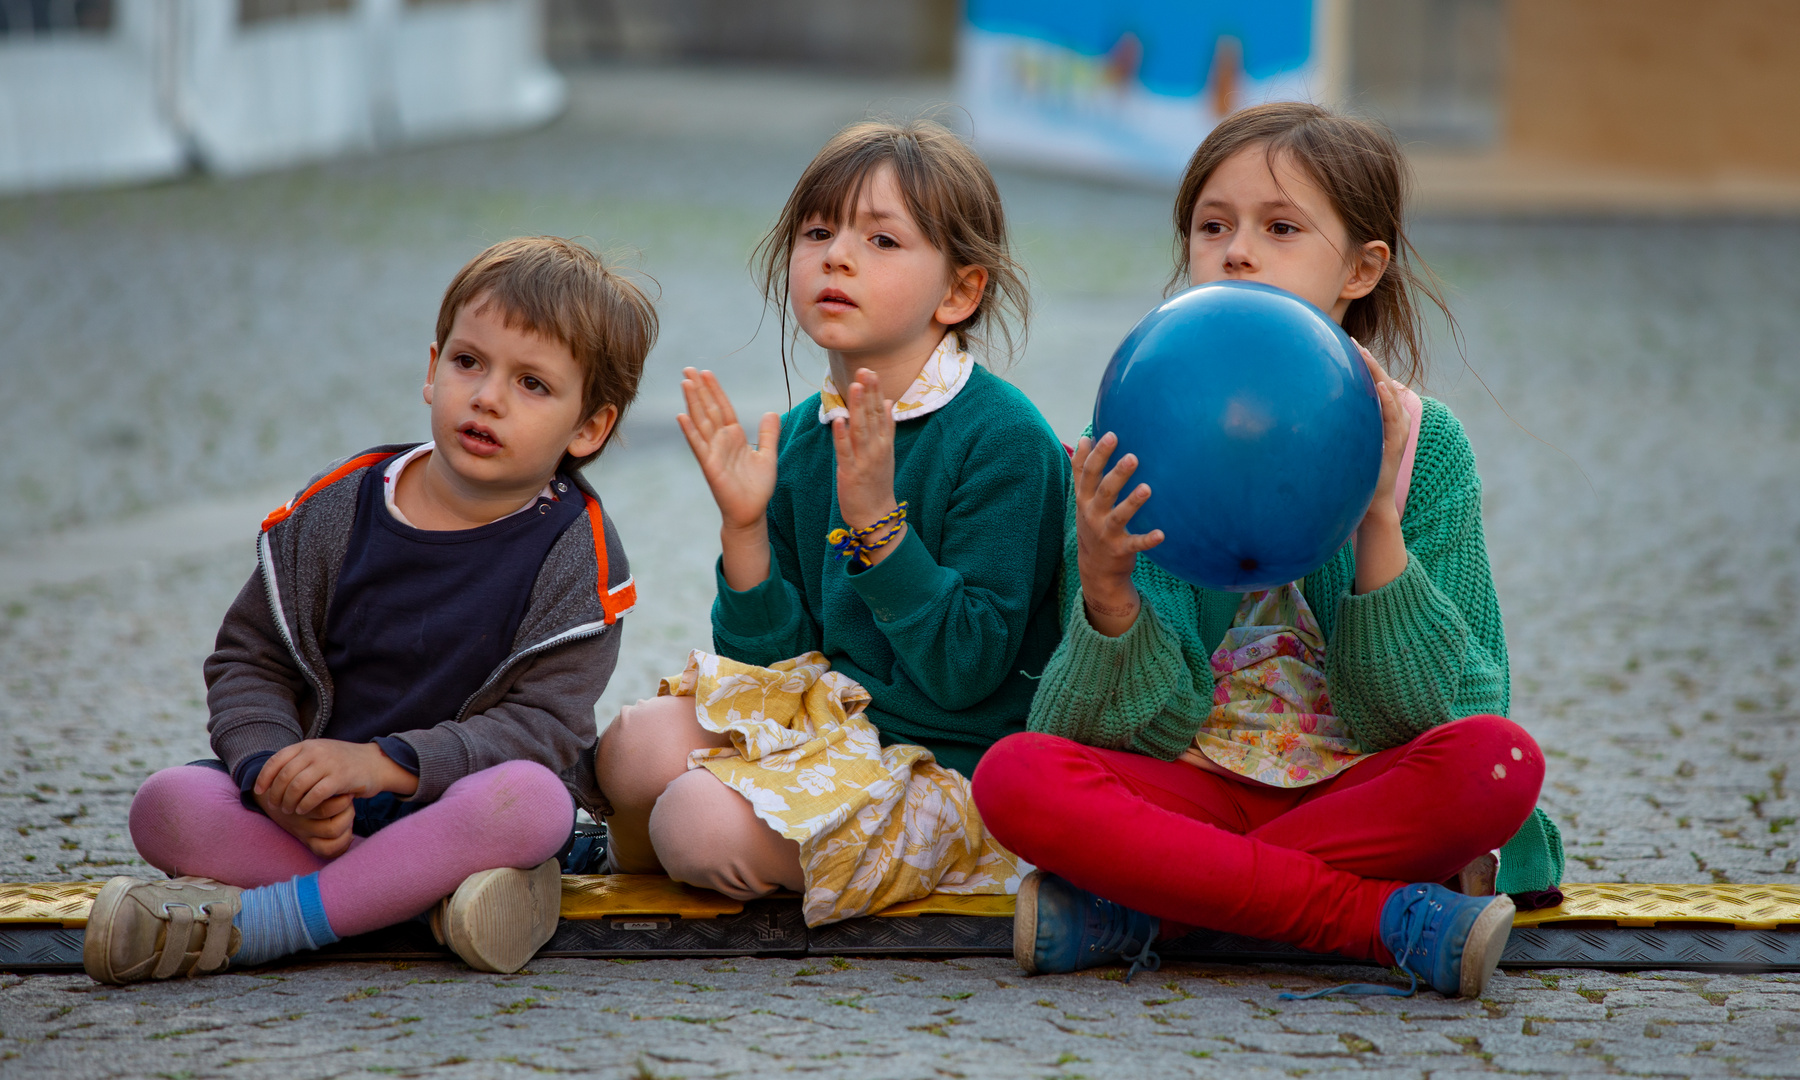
point(1271, 718)
point(939, 381)
point(877, 826)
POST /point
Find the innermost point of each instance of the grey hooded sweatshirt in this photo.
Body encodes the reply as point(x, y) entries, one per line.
point(267, 685)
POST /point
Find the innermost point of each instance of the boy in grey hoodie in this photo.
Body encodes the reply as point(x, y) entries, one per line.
point(402, 695)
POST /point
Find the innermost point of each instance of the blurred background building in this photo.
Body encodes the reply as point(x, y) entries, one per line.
point(98, 91)
point(1526, 103)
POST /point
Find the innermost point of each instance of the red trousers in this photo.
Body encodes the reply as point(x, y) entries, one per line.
point(1310, 866)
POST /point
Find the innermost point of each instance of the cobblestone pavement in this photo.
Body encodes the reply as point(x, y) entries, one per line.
point(176, 356)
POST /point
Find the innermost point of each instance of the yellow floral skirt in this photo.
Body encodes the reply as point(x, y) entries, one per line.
point(877, 826)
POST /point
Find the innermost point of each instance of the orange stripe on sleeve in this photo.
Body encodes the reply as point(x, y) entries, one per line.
point(280, 513)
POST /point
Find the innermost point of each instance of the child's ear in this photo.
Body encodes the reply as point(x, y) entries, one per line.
point(963, 295)
point(1367, 272)
point(431, 372)
point(593, 432)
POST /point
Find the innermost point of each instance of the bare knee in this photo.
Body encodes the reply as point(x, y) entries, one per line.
point(645, 748)
point(706, 834)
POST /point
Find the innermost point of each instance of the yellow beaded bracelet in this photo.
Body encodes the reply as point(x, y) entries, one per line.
point(855, 544)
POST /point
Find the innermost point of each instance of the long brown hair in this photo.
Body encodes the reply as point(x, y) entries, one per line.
point(1361, 169)
point(948, 191)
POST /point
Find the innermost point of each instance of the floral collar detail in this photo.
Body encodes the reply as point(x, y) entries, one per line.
point(942, 378)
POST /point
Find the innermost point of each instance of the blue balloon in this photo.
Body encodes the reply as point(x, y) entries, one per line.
point(1257, 427)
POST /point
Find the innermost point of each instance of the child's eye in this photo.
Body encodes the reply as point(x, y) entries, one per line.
point(817, 234)
point(883, 240)
point(1283, 228)
point(533, 384)
point(1212, 228)
point(466, 362)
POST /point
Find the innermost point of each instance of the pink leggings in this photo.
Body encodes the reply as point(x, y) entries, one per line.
point(1310, 866)
point(189, 820)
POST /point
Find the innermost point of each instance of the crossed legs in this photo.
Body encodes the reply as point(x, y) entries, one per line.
point(685, 822)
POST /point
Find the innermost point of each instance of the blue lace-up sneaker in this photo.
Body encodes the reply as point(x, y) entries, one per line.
point(1058, 927)
point(1451, 941)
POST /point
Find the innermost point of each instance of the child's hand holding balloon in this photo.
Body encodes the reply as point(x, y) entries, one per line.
point(1380, 549)
point(1106, 550)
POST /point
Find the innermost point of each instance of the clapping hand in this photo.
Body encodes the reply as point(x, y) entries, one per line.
point(741, 476)
point(864, 445)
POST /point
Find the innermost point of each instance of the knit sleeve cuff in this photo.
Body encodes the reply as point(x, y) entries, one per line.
point(1395, 662)
point(238, 742)
point(443, 760)
point(765, 608)
point(1124, 692)
point(1406, 610)
point(907, 580)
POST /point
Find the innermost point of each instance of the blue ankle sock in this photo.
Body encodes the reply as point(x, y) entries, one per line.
point(279, 919)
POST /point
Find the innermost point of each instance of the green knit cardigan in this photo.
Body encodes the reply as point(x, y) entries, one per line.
point(1422, 650)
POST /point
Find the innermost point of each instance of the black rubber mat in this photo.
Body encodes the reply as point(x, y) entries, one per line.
point(774, 928)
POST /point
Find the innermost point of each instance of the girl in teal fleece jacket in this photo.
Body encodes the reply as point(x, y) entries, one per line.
point(1186, 766)
point(906, 523)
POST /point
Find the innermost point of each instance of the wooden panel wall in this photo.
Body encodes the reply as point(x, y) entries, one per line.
point(1676, 86)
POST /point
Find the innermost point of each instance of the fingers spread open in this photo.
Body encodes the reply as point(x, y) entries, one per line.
point(1122, 513)
point(1114, 481)
point(1093, 466)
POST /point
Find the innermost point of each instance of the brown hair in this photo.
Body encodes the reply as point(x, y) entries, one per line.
point(1360, 167)
point(560, 289)
point(948, 191)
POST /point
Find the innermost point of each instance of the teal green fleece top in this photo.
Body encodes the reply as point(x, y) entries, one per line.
point(1422, 650)
point(943, 631)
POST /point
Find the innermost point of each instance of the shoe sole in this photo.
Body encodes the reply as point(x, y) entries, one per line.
point(96, 940)
point(498, 919)
point(1486, 941)
point(1025, 922)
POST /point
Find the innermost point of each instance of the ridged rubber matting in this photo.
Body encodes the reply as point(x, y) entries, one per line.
point(1629, 927)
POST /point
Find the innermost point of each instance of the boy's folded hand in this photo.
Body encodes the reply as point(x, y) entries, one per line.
point(325, 832)
point(300, 778)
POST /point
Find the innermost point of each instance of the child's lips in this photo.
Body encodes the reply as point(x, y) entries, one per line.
point(478, 440)
point(834, 300)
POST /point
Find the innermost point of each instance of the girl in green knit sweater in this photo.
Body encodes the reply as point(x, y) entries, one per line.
point(889, 565)
point(1305, 764)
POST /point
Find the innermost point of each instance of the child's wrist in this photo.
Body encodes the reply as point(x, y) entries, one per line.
point(391, 775)
point(863, 516)
point(754, 532)
point(1383, 516)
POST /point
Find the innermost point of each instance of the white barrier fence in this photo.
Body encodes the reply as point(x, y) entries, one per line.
point(241, 85)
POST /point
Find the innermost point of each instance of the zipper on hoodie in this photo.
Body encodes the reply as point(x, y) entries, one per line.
point(272, 593)
point(574, 633)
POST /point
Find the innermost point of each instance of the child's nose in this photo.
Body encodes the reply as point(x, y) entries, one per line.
point(487, 395)
point(1238, 254)
point(837, 252)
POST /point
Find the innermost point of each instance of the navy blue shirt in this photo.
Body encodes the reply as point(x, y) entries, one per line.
point(420, 619)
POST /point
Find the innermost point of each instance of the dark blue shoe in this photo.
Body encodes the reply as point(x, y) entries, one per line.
point(1058, 928)
point(1451, 941)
